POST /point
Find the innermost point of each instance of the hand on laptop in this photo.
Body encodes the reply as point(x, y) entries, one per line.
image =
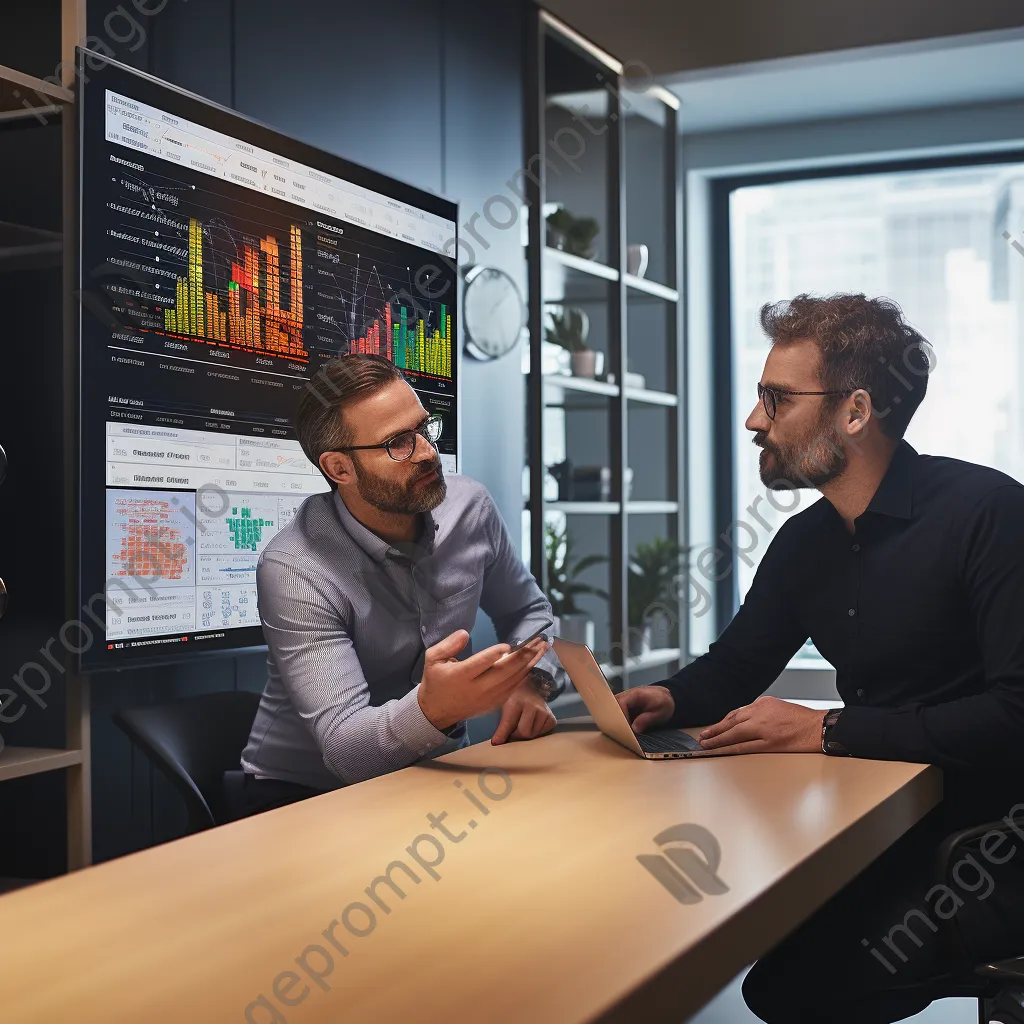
point(452, 690)
point(646, 707)
point(769, 725)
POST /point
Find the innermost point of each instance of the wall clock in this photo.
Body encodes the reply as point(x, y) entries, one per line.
point(493, 313)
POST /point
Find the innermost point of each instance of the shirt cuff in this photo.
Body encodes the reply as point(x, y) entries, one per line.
point(883, 734)
point(413, 727)
point(550, 663)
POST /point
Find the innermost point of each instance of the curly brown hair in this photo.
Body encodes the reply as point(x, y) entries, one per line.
point(864, 343)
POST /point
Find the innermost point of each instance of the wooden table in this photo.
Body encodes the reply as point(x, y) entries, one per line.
point(536, 909)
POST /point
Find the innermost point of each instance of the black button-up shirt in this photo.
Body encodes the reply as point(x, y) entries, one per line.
point(920, 610)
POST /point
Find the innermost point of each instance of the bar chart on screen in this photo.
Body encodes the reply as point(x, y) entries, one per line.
point(255, 302)
point(235, 276)
point(360, 310)
point(223, 267)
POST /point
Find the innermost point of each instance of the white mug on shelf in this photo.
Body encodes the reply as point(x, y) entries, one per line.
point(637, 257)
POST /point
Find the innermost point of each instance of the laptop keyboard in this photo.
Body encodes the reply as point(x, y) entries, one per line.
point(665, 741)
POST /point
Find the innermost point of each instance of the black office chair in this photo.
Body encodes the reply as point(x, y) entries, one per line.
point(1001, 995)
point(197, 743)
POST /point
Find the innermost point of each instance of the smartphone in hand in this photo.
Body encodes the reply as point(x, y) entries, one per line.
point(516, 644)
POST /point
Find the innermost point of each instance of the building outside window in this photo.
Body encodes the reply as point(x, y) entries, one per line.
point(934, 241)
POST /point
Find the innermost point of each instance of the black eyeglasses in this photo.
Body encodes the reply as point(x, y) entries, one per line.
point(401, 446)
point(770, 397)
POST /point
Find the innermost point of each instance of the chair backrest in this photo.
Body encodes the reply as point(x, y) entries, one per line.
point(194, 741)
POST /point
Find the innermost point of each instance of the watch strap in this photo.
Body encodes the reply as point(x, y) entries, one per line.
point(829, 745)
point(543, 682)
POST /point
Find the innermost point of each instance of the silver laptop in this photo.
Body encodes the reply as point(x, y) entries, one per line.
point(586, 675)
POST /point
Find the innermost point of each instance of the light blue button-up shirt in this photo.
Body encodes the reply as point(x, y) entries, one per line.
point(347, 617)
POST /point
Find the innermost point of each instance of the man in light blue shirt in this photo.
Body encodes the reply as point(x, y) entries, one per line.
point(367, 598)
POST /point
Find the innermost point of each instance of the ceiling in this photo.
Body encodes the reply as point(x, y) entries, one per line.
point(671, 36)
point(855, 83)
point(802, 67)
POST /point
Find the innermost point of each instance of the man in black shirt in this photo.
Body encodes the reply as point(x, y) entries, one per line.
point(908, 575)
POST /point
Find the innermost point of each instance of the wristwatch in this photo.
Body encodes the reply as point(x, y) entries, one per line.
point(543, 682)
point(828, 744)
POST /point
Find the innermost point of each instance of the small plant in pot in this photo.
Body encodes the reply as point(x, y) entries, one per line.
point(568, 327)
point(574, 235)
point(564, 568)
point(652, 599)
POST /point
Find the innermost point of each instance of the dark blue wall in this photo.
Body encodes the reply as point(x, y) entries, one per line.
point(430, 92)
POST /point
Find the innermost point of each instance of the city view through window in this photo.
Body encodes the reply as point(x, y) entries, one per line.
point(938, 242)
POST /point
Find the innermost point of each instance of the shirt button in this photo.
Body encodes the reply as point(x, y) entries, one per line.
point(861, 693)
point(423, 630)
point(856, 547)
point(852, 612)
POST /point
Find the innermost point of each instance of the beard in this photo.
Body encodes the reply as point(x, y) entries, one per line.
point(402, 498)
point(810, 461)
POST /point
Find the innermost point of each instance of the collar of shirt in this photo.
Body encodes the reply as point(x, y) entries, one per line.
point(378, 548)
point(895, 494)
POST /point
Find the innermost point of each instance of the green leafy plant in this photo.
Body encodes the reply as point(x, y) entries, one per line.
point(652, 570)
point(568, 329)
point(564, 568)
point(575, 235)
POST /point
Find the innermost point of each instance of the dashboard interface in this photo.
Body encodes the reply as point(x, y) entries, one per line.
point(221, 266)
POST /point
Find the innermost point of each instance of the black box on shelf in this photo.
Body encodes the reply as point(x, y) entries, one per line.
point(591, 483)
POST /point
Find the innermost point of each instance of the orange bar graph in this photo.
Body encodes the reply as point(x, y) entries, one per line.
point(251, 314)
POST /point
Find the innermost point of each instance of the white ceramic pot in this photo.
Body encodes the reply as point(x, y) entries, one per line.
point(577, 627)
point(639, 640)
point(553, 359)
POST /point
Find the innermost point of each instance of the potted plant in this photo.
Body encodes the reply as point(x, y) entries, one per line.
point(563, 571)
point(653, 569)
point(568, 327)
point(574, 235)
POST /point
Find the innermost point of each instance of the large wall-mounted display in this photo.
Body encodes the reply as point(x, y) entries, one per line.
point(222, 264)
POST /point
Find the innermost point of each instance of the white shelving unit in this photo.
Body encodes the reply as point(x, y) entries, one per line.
point(587, 385)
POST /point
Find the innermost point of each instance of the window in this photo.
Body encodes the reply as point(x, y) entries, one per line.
point(938, 241)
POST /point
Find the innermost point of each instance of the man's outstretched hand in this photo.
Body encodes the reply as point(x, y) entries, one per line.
point(451, 690)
